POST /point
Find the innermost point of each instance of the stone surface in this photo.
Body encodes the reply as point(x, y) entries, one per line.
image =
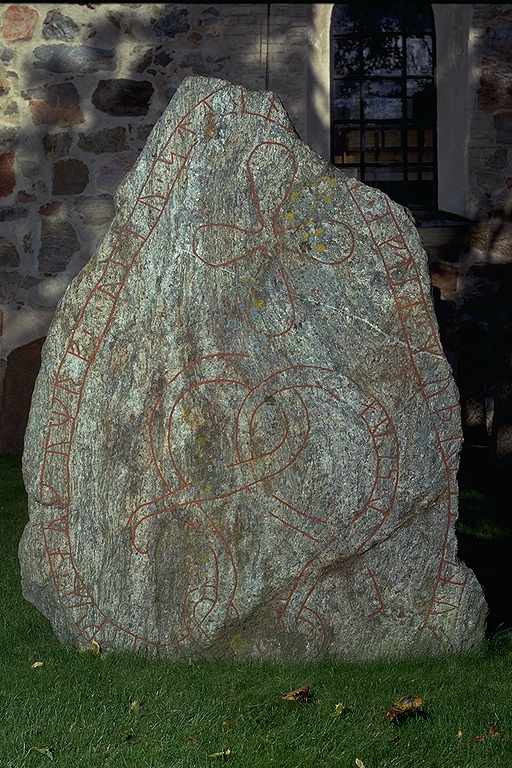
point(123, 97)
point(70, 58)
point(8, 254)
point(19, 22)
point(7, 137)
point(57, 104)
point(57, 144)
point(244, 438)
point(107, 140)
point(12, 213)
point(58, 244)
point(173, 23)
point(70, 177)
point(95, 210)
point(5, 87)
point(58, 25)
point(20, 375)
point(110, 175)
point(162, 57)
point(6, 55)
point(25, 197)
point(7, 175)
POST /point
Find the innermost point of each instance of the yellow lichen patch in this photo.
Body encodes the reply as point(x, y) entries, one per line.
point(328, 198)
point(294, 196)
point(192, 418)
point(211, 126)
point(237, 642)
point(320, 247)
point(290, 215)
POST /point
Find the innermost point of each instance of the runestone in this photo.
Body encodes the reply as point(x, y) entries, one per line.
point(244, 437)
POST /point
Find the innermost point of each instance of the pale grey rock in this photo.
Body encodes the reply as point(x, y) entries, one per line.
point(244, 437)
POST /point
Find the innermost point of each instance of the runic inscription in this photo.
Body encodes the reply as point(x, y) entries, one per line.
point(249, 434)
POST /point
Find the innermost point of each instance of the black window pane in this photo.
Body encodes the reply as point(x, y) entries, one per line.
point(382, 55)
point(415, 86)
point(382, 145)
point(418, 17)
point(391, 137)
point(370, 18)
point(383, 65)
point(346, 58)
point(342, 20)
point(347, 142)
point(346, 100)
point(390, 173)
point(420, 101)
point(419, 55)
point(382, 99)
point(383, 88)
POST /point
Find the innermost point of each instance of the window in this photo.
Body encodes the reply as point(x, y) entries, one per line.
point(383, 103)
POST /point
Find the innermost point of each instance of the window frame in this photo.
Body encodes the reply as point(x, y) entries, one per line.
point(403, 123)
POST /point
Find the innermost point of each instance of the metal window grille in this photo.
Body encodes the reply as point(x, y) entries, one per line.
point(383, 100)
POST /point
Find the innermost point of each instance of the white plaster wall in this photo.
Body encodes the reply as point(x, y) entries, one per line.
point(318, 99)
point(456, 82)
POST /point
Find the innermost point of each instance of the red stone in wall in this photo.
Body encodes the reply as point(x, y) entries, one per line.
point(495, 90)
point(19, 22)
point(22, 368)
point(50, 208)
point(56, 104)
point(7, 177)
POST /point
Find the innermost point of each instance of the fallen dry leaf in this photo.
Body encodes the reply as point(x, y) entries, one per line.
point(404, 706)
point(95, 647)
point(459, 734)
point(493, 731)
point(299, 694)
point(135, 706)
point(224, 754)
point(37, 664)
point(359, 763)
point(339, 709)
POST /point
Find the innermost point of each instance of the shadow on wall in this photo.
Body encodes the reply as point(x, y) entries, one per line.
point(471, 289)
point(90, 92)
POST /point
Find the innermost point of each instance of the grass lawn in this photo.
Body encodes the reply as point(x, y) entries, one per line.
point(116, 710)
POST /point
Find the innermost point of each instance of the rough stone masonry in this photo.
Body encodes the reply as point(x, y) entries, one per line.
point(244, 437)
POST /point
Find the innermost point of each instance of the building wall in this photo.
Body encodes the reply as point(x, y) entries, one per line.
point(80, 89)
point(82, 85)
point(490, 133)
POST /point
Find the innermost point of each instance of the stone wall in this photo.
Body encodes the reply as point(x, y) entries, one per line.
point(81, 86)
